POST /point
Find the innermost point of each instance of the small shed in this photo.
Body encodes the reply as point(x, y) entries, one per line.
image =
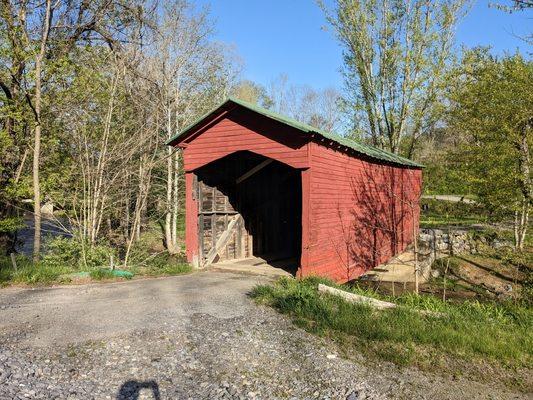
point(259, 184)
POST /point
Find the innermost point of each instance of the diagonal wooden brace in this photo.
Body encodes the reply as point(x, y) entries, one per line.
point(222, 241)
point(254, 170)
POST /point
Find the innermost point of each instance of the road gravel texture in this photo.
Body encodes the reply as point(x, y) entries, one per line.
point(198, 336)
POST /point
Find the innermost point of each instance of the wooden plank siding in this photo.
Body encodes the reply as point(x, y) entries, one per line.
point(241, 131)
point(191, 220)
point(361, 213)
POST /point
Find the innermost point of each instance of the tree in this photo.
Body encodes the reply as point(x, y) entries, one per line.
point(191, 74)
point(252, 93)
point(99, 87)
point(319, 108)
point(516, 6)
point(41, 34)
point(492, 103)
point(396, 53)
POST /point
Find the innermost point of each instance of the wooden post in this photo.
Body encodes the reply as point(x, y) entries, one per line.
point(415, 241)
point(111, 262)
point(444, 280)
point(14, 262)
point(306, 222)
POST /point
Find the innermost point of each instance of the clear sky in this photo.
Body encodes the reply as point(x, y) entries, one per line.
point(288, 36)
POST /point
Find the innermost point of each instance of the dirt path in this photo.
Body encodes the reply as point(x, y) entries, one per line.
point(197, 336)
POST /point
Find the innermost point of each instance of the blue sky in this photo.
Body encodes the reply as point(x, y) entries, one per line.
point(288, 36)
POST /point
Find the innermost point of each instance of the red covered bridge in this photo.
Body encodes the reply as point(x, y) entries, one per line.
point(261, 184)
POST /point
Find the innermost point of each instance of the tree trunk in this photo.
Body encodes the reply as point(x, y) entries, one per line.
point(170, 188)
point(36, 189)
point(175, 203)
point(526, 187)
point(415, 243)
point(37, 138)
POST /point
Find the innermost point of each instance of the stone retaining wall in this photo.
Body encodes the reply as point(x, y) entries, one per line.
point(443, 243)
point(439, 243)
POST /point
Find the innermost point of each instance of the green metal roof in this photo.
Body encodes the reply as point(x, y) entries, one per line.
point(367, 150)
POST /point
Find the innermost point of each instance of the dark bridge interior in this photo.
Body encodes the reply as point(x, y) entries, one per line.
point(266, 193)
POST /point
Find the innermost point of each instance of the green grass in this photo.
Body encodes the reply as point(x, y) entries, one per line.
point(499, 333)
point(29, 273)
point(170, 268)
point(437, 213)
point(435, 221)
point(101, 274)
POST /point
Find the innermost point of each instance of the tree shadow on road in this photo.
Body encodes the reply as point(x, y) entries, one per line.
point(131, 390)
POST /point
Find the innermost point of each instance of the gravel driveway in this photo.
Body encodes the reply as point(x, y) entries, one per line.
point(197, 336)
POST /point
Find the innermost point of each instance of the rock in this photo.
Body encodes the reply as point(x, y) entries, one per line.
point(353, 396)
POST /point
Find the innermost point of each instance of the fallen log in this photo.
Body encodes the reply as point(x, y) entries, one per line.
point(356, 298)
point(374, 303)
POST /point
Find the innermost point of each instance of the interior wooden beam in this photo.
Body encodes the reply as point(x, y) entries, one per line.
point(254, 170)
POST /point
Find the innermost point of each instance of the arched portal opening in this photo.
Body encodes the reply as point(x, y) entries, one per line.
point(249, 206)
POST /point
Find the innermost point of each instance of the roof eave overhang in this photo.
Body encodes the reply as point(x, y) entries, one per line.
point(196, 127)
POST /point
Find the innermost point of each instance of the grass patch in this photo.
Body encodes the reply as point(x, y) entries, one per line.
point(101, 274)
point(57, 268)
point(437, 213)
point(436, 221)
point(157, 264)
point(29, 273)
point(171, 268)
point(39, 274)
point(501, 334)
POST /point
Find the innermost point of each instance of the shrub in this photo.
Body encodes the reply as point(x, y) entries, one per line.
point(27, 272)
point(62, 252)
point(101, 273)
point(64, 256)
point(143, 262)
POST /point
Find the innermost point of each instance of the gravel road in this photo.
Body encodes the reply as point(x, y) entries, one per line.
point(197, 336)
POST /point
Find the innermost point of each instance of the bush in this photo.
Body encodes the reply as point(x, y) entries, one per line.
point(64, 256)
point(99, 274)
point(143, 262)
point(62, 252)
point(61, 257)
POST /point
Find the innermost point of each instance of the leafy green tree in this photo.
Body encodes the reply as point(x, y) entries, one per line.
point(35, 37)
point(89, 91)
point(396, 54)
point(492, 103)
point(252, 93)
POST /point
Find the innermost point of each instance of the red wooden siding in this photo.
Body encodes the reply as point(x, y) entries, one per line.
point(361, 213)
point(245, 131)
point(238, 131)
point(191, 219)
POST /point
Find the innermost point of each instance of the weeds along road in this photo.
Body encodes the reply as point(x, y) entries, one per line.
point(193, 336)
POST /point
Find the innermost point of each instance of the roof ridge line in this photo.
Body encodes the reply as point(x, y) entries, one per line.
point(370, 151)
